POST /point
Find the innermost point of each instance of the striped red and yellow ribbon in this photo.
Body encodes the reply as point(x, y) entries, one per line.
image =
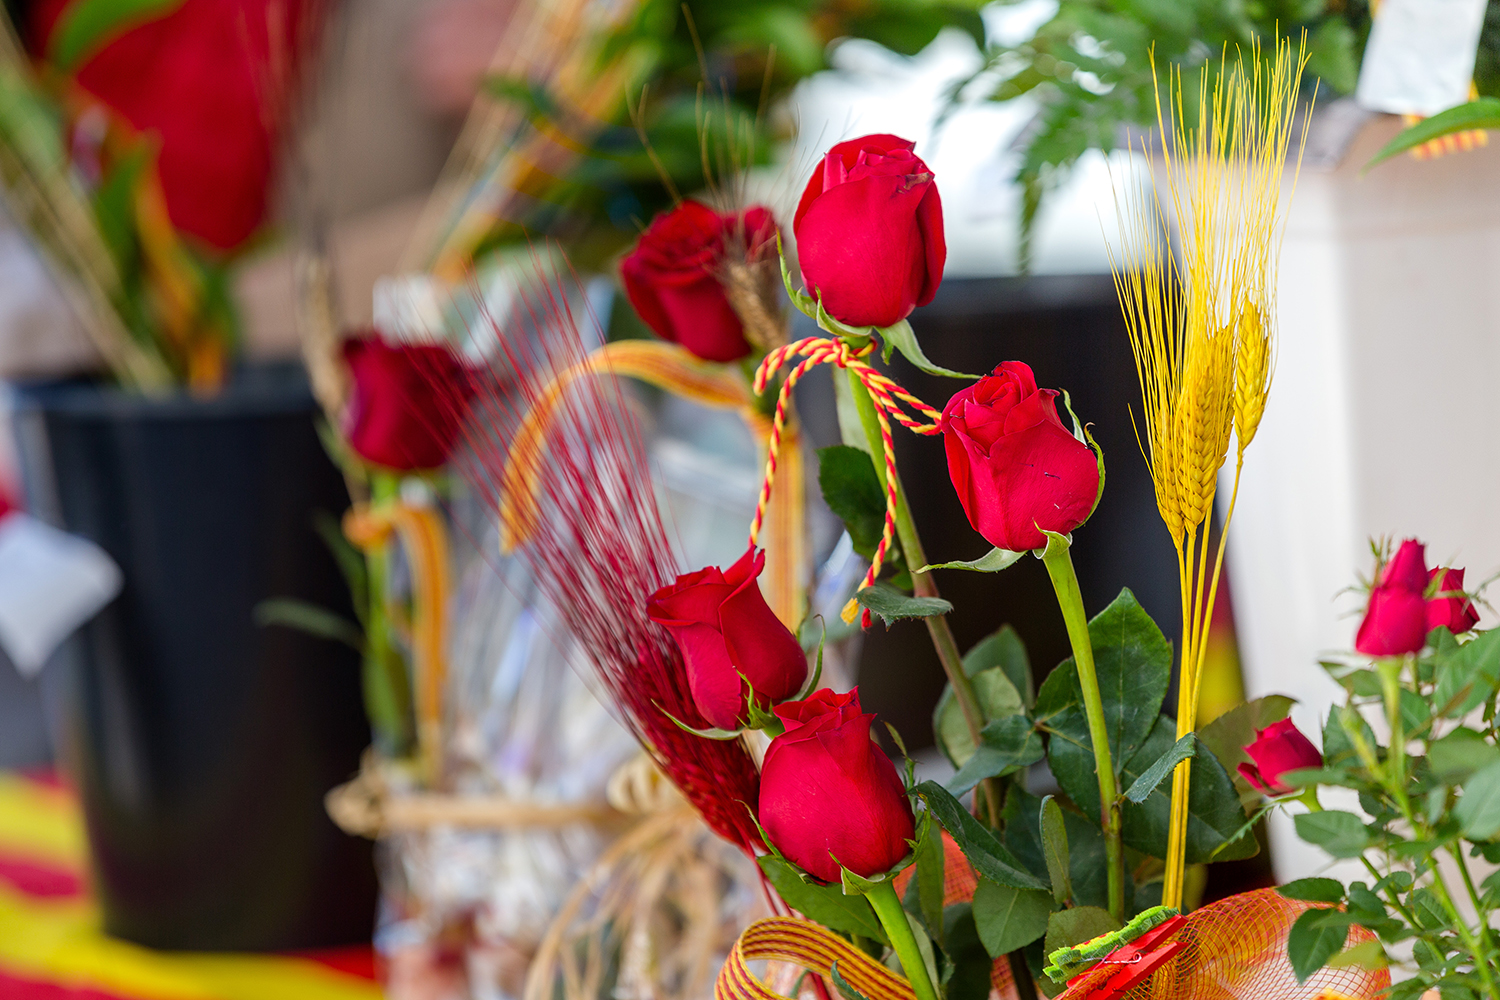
point(890, 401)
point(425, 538)
point(53, 945)
point(811, 946)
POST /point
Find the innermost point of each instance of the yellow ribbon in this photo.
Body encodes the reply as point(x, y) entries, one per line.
point(677, 370)
point(813, 947)
point(425, 539)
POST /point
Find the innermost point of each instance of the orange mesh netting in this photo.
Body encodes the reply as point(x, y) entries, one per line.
point(1235, 949)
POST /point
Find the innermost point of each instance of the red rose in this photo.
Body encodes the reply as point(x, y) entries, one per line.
point(1456, 612)
point(1277, 749)
point(870, 232)
point(1396, 617)
point(672, 276)
point(729, 636)
point(828, 795)
point(399, 415)
point(1014, 465)
point(197, 77)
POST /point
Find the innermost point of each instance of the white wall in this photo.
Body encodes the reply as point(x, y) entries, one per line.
point(1383, 416)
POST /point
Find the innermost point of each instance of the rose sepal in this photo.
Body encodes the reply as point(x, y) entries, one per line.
point(901, 337)
point(803, 302)
point(758, 718)
point(896, 337)
point(993, 561)
point(1081, 432)
point(1056, 543)
point(858, 885)
point(817, 674)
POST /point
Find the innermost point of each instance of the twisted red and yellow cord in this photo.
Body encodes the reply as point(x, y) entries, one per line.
point(889, 399)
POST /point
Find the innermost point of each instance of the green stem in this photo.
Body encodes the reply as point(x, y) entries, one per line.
point(893, 918)
point(923, 585)
point(1059, 565)
point(1390, 670)
point(1390, 893)
point(387, 688)
point(1481, 911)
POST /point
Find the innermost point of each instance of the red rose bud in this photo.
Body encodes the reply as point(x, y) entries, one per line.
point(870, 232)
point(729, 636)
point(1277, 749)
point(1456, 612)
point(399, 414)
point(1396, 617)
point(672, 277)
point(828, 795)
point(1014, 465)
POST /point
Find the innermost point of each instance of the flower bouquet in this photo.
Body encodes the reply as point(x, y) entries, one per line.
point(883, 887)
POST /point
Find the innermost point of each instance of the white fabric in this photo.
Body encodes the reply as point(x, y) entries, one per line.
point(1420, 58)
point(51, 582)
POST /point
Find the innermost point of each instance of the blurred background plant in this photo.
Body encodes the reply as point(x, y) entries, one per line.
point(625, 107)
point(138, 184)
point(1090, 66)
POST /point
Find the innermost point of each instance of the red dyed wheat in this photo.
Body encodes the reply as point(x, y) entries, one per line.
point(599, 548)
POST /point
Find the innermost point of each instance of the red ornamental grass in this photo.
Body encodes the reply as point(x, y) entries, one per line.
point(598, 548)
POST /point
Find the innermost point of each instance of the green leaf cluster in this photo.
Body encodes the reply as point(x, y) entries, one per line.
point(1430, 791)
point(705, 73)
point(1090, 67)
point(1043, 880)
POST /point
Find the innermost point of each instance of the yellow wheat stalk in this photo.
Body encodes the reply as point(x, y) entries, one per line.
point(1201, 319)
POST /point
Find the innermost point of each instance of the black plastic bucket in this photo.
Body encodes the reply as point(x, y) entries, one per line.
point(201, 743)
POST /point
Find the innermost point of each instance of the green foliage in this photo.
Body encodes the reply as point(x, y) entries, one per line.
point(842, 985)
point(927, 884)
point(709, 73)
point(1090, 67)
point(1009, 918)
point(989, 857)
point(1153, 775)
point(1005, 746)
point(1482, 113)
point(826, 904)
point(967, 975)
point(890, 605)
point(86, 26)
point(1432, 790)
point(852, 490)
point(1001, 674)
point(1133, 661)
point(1314, 890)
point(992, 561)
point(1054, 832)
point(1316, 936)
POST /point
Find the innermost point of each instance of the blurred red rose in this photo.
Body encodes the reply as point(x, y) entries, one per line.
point(1014, 465)
point(401, 413)
point(1395, 620)
point(199, 77)
point(1455, 612)
point(672, 277)
point(828, 795)
point(730, 639)
point(870, 232)
point(1277, 749)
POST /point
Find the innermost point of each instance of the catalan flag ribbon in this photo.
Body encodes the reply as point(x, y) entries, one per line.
point(53, 947)
point(812, 946)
